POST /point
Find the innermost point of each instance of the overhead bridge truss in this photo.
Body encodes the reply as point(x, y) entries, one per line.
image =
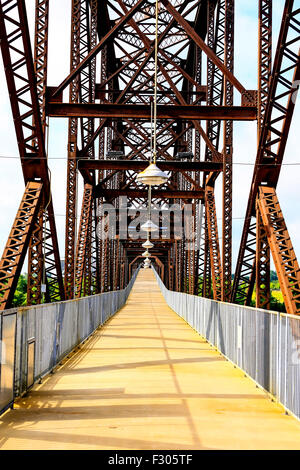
point(108, 107)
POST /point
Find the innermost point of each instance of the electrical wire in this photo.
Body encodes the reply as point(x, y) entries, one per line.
point(155, 81)
point(8, 157)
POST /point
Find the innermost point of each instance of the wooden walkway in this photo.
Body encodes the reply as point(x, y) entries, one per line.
point(146, 380)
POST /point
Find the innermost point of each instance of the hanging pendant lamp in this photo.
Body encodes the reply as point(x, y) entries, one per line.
point(149, 226)
point(147, 245)
point(152, 175)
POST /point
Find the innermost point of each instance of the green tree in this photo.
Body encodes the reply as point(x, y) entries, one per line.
point(20, 297)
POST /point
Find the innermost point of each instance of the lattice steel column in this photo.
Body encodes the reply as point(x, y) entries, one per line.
point(35, 250)
point(84, 227)
point(262, 262)
point(283, 253)
point(27, 104)
point(176, 266)
point(18, 241)
point(87, 278)
point(227, 156)
point(207, 264)
point(277, 118)
point(215, 81)
point(264, 57)
point(41, 53)
point(213, 237)
point(215, 90)
point(263, 293)
point(35, 261)
point(71, 203)
point(87, 95)
point(87, 240)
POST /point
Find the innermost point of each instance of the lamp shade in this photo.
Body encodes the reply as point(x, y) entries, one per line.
point(147, 244)
point(149, 226)
point(152, 176)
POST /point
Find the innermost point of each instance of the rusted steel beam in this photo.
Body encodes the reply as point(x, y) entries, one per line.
point(215, 79)
point(132, 111)
point(184, 103)
point(16, 247)
point(149, 50)
point(41, 53)
point(100, 90)
point(215, 15)
point(81, 249)
point(262, 264)
point(43, 254)
point(35, 262)
point(264, 57)
point(249, 275)
point(92, 54)
point(71, 189)
point(214, 248)
point(229, 6)
point(21, 82)
point(284, 257)
point(27, 101)
point(35, 274)
point(110, 194)
point(87, 271)
point(273, 139)
point(88, 40)
point(172, 165)
point(206, 49)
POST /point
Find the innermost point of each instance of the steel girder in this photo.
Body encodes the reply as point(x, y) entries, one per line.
point(273, 136)
point(227, 155)
point(280, 244)
point(126, 45)
point(215, 258)
point(83, 239)
point(71, 193)
point(26, 85)
point(18, 241)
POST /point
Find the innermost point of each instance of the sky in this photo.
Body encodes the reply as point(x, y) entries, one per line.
point(246, 52)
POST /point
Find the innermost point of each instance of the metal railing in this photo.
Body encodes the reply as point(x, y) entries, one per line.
point(33, 340)
point(265, 344)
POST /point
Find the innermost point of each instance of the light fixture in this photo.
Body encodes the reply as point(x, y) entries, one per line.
point(147, 244)
point(152, 176)
point(149, 226)
point(146, 254)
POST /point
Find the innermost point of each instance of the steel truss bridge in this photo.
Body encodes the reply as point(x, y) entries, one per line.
point(106, 98)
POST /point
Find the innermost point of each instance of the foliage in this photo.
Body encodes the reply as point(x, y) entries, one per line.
point(276, 302)
point(273, 276)
point(20, 297)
